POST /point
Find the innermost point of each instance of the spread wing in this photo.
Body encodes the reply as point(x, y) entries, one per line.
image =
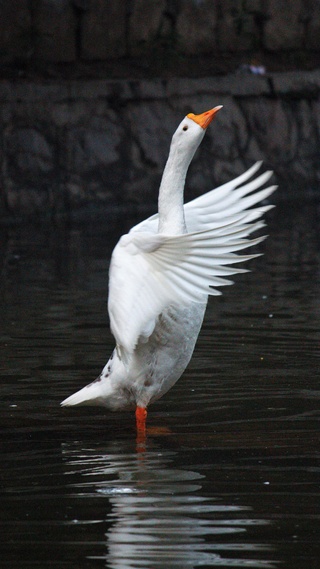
point(218, 204)
point(150, 271)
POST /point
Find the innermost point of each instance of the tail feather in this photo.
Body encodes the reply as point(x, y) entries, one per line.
point(88, 395)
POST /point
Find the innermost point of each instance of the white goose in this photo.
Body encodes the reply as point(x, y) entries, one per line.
point(162, 273)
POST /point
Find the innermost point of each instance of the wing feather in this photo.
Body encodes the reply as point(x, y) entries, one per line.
point(150, 271)
point(144, 280)
point(201, 212)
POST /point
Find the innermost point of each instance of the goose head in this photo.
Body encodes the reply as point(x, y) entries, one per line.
point(184, 144)
point(190, 133)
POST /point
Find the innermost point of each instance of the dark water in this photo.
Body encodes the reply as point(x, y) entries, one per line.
point(234, 479)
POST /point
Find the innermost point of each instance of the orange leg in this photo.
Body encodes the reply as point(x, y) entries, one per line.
point(141, 417)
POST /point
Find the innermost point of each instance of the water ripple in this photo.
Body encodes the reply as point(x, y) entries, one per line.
point(234, 482)
point(159, 517)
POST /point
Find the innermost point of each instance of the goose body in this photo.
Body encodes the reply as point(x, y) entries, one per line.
point(163, 271)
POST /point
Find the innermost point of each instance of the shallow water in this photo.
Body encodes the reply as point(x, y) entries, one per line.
point(232, 480)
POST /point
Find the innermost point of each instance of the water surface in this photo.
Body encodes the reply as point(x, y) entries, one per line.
point(233, 477)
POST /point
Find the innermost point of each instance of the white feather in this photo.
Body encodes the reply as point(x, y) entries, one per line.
point(164, 270)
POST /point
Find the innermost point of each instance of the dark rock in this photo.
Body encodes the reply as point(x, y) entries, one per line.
point(54, 24)
point(103, 30)
point(284, 29)
point(29, 152)
point(145, 25)
point(15, 31)
point(197, 27)
point(66, 146)
point(312, 20)
point(237, 29)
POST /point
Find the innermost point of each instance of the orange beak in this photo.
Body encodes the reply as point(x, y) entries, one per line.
point(205, 118)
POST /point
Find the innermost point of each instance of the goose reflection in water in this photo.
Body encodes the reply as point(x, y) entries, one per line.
point(158, 518)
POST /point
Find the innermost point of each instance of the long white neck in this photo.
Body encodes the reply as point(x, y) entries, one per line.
point(170, 203)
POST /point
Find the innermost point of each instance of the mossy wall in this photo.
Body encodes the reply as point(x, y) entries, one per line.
point(66, 147)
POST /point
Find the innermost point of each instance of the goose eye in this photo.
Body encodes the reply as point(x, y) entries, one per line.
point(185, 127)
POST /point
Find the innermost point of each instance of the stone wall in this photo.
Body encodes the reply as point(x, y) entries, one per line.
point(66, 147)
point(64, 31)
